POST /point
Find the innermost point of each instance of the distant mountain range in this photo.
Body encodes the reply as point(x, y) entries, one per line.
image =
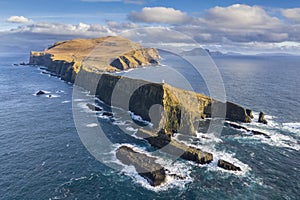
point(201, 52)
point(204, 52)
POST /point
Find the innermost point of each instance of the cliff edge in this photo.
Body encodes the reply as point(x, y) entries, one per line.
point(106, 54)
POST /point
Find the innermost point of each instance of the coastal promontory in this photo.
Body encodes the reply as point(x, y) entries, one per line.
point(178, 111)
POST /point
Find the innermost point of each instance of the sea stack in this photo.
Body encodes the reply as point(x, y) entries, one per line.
point(261, 118)
point(145, 165)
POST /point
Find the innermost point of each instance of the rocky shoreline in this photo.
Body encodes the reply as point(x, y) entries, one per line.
point(178, 111)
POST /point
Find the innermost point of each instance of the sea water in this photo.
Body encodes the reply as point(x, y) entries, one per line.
point(42, 156)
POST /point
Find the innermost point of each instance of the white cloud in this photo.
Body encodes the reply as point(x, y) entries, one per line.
point(81, 29)
point(18, 19)
point(292, 14)
point(241, 16)
point(233, 28)
point(159, 15)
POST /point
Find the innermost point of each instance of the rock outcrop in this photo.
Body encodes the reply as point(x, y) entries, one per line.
point(93, 107)
point(261, 118)
point(254, 132)
point(145, 165)
point(41, 92)
point(249, 113)
point(228, 166)
point(167, 144)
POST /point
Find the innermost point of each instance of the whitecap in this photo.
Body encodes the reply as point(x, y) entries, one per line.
point(120, 123)
point(293, 127)
point(53, 96)
point(274, 130)
point(280, 140)
point(276, 139)
point(129, 128)
point(139, 119)
point(92, 125)
point(60, 91)
point(208, 137)
point(79, 100)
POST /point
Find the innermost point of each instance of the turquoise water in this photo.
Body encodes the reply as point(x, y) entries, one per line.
point(42, 156)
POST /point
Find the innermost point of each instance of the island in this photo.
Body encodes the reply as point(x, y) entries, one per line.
point(179, 109)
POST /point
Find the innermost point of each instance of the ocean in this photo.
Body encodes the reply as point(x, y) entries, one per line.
point(43, 157)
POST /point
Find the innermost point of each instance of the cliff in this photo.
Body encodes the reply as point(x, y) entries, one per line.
point(179, 110)
point(105, 54)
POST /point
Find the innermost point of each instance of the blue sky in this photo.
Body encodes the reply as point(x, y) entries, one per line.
point(225, 25)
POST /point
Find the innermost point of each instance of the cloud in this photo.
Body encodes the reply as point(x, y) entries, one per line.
point(241, 16)
point(238, 23)
point(81, 29)
point(292, 14)
point(18, 19)
point(159, 15)
point(234, 28)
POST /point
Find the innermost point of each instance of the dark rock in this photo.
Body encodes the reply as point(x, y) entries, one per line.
point(145, 165)
point(249, 113)
point(175, 176)
point(236, 112)
point(23, 63)
point(234, 125)
point(229, 110)
point(108, 114)
point(254, 132)
point(93, 107)
point(41, 92)
point(172, 147)
point(261, 118)
point(228, 166)
point(154, 62)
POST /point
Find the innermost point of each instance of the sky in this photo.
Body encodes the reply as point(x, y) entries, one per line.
point(221, 25)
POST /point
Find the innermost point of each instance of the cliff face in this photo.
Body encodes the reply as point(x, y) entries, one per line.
point(167, 107)
point(106, 54)
point(178, 109)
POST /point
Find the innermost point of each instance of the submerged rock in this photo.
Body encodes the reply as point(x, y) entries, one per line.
point(107, 114)
point(261, 118)
point(145, 165)
point(93, 107)
point(254, 132)
point(228, 166)
point(41, 92)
